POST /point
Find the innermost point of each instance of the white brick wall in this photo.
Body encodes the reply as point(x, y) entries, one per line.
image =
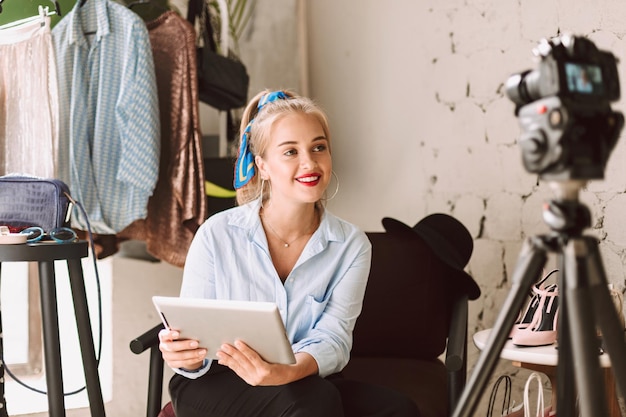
point(421, 124)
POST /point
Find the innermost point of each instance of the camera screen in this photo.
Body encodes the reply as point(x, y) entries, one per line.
point(584, 78)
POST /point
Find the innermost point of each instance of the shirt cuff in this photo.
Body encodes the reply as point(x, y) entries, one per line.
point(195, 373)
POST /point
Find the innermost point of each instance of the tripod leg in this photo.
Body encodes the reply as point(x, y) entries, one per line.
point(528, 269)
point(606, 316)
point(582, 331)
point(565, 392)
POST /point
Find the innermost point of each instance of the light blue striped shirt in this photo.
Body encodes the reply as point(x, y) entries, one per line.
point(109, 140)
point(321, 298)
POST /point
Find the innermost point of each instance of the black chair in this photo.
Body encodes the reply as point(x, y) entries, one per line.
point(414, 314)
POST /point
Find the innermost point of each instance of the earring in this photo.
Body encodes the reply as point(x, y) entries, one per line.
point(336, 189)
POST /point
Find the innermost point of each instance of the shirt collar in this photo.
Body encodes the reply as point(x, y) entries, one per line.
point(97, 8)
point(330, 228)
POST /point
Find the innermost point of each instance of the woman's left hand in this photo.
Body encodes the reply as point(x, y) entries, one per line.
point(247, 363)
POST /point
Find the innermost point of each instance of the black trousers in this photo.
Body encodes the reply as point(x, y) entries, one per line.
point(221, 393)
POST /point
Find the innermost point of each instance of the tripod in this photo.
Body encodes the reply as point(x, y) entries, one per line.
point(584, 302)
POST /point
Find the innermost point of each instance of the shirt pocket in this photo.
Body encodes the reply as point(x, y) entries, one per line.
point(316, 307)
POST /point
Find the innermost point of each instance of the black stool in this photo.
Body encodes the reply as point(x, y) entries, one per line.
point(45, 254)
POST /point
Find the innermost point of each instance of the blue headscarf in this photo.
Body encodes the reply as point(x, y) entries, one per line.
point(244, 166)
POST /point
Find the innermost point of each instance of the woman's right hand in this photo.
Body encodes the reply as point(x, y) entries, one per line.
point(184, 353)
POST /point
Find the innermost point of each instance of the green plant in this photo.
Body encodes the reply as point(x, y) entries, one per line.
point(239, 12)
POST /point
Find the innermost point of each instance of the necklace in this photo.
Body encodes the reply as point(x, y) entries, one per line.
point(285, 243)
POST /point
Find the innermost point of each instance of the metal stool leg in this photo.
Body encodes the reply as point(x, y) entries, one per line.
point(3, 403)
point(52, 351)
point(85, 337)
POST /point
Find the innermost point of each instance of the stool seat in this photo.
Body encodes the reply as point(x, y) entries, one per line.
point(43, 251)
point(45, 254)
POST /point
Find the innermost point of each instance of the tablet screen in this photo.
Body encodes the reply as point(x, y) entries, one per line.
point(214, 322)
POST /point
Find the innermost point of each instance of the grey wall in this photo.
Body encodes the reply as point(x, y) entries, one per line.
point(415, 94)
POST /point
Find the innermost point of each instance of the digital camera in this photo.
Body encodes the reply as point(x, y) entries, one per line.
point(563, 107)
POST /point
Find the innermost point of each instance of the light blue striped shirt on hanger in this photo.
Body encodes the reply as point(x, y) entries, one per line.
point(109, 115)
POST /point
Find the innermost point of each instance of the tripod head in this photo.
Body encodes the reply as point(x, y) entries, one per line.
point(565, 214)
point(563, 106)
point(568, 127)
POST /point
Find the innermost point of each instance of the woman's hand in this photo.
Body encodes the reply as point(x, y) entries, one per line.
point(180, 353)
point(250, 367)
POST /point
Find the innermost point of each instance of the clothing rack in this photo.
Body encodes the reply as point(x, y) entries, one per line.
point(225, 44)
point(57, 7)
point(43, 13)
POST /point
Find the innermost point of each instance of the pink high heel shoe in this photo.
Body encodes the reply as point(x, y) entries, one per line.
point(524, 320)
point(543, 329)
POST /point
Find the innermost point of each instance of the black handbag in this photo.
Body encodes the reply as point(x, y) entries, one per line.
point(222, 81)
point(31, 201)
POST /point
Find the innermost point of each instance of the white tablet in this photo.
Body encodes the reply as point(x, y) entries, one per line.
point(214, 322)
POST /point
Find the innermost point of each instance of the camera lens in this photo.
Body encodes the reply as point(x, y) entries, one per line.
point(523, 88)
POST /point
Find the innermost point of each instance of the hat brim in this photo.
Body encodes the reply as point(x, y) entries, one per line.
point(398, 228)
point(468, 283)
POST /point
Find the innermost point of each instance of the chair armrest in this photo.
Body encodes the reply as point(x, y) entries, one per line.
point(147, 340)
point(456, 351)
point(150, 340)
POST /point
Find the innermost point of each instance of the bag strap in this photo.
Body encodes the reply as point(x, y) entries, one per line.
point(194, 9)
point(199, 9)
point(506, 399)
point(539, 404)
point(207, 29)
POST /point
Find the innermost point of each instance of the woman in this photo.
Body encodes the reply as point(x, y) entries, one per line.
point(279, 245)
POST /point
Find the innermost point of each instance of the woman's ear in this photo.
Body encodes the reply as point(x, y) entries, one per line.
point(260, 163)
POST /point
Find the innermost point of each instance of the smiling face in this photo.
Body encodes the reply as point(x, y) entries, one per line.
point(297, 159)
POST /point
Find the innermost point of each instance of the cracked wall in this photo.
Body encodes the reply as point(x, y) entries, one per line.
point(421, 123)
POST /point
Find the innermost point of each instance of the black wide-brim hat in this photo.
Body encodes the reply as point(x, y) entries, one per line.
point(450, 241)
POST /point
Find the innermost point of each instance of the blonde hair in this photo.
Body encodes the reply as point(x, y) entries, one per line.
point(259, 137)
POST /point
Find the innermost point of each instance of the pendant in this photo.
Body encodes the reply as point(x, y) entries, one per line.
point(286, 245)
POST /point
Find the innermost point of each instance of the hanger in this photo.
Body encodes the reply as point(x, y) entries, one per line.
point(138, 2)
point(44, 11)
point(81, 4)
point(147, 2)
point(57, 7)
